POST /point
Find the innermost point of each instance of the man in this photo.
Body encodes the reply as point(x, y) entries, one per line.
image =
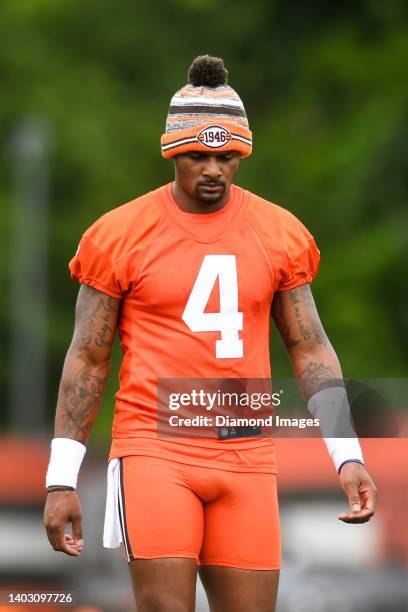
point(188, 275)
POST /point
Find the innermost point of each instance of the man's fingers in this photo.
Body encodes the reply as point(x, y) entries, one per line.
point(54, 534)
point(61, 542)
point(356, 517)
point(370, 498)
point(77, 531)
point(72, 545)
point(51, 539)
point(365, 512)
point(63, 508)
point(62, 545)
point(360, 512)
point(361, 493)
point(353, 497)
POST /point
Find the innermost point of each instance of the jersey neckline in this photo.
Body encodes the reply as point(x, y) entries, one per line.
point(204, 227)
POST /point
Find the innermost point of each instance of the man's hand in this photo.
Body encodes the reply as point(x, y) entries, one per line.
point(361, 493)
point(61, 509)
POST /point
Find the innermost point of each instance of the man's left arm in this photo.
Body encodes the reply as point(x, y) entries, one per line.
point(317, 367)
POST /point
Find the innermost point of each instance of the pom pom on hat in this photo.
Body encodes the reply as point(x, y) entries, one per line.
point(207, 71)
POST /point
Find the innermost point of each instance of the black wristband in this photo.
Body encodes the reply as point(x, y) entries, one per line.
point(350, 461)
point(53, 488)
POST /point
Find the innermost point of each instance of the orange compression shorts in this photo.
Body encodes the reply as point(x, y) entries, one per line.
point(215, 516)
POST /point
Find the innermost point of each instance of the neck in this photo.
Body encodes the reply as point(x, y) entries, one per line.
point(190, 204)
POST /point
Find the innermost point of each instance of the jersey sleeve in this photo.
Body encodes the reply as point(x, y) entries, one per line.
point(91, 266)
point(302, 257)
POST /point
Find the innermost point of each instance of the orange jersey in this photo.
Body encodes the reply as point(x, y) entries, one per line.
point(196, 291)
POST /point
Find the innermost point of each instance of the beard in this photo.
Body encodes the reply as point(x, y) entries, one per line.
point(210, 192)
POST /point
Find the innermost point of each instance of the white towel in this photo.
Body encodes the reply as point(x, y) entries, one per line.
point(112, 533)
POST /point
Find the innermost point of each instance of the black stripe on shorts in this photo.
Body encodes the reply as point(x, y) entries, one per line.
point(122, 514)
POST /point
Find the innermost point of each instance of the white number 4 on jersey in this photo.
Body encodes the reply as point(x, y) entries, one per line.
point(228, 321)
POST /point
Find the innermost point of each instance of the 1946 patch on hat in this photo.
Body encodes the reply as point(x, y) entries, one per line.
point(214, 136)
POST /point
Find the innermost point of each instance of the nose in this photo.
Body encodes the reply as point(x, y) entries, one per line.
point(212, 167)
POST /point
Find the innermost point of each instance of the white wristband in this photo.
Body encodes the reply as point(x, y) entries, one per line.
point(332, 408)
point(344, 449)
point(65, 461)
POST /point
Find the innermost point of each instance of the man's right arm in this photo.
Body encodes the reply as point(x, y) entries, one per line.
point(87, 364)
point(83, 381)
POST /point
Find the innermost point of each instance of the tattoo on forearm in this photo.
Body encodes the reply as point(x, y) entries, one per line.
point(79, 400)
point(317, 376)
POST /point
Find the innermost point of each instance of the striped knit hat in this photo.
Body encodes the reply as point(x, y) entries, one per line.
point(206, 114)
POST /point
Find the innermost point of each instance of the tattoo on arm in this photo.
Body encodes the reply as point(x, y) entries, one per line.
point(81, 399)
point(317, 376)
point(296, 317)
point(94, 322)
point(282, 322)
point(317, 330)
point(302, 325)
point(87, 364)
point(313, 358)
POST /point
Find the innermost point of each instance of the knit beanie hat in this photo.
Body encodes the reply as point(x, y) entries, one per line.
point(207, 114)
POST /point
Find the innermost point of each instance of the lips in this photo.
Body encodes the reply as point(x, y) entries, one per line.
point(211, 186)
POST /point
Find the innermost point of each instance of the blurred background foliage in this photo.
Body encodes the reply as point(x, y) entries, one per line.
point(326, 93)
